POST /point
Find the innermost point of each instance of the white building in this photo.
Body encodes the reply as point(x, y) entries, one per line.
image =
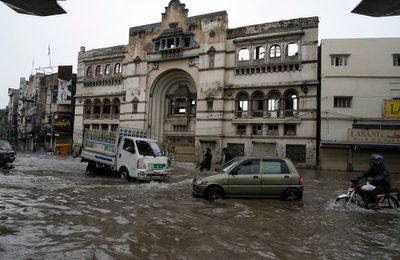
point(360, 102)
point(193, 83)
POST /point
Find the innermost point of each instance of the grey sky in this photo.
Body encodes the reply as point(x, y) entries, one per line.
point(103, 23)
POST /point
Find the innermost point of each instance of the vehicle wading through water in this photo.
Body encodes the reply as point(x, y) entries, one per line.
point(126, 151)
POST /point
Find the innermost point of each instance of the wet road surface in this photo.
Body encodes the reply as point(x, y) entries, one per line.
point(51, 209)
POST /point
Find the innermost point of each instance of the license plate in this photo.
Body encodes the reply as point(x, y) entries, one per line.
point(158, 165)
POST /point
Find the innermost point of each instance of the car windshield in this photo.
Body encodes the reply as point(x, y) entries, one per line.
point(148, 148)
point(229, 165)
point(5, 145)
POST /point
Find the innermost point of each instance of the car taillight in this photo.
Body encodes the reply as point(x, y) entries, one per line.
point(301, 180)
point(141, 164)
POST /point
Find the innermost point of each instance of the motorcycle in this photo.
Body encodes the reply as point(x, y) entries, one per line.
point(355, 197)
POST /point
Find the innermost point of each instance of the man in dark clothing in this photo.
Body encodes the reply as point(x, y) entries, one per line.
point(206, 163)
point(227, 156)
point(377, 176)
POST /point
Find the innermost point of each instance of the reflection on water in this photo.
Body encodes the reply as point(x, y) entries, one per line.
point(51, 209)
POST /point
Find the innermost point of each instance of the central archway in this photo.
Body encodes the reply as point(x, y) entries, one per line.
point(173, 103)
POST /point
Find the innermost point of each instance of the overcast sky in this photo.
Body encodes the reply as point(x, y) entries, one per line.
point(104, 23)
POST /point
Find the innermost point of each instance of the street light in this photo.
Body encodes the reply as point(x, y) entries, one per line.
point(51, 117)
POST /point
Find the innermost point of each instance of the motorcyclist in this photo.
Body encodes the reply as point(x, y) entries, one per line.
point(377, 177)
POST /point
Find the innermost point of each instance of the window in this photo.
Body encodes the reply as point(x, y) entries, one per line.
point(257, 129)
point(242, 105)
point(339, 60)
point(258, 105)
point(290, 129)
point(211, 57)
point(241, 129)
point(342, 102)
point(96, 109)
point(272, 129)
point(86, 126)
point(180, 106)
point(273, 104)
point(210, 104)
point(135, 106)
point(259, 53)
point(396, 59)
point(89, 72)
point(296, 153)
point(107, 69)
point(98, 71)
point(129, 146)
point(275, 51)
point(244, 54)
point(292, 49)
point(249, 167)
point(274, 167)
point(114, 127)
point(115, 108)
point(88, 109)
point(104, 127)
point(117, 68)
point(106, 108)
point(95, 126)
point(291, 103)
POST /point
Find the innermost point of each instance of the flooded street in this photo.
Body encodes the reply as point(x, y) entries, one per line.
point(51, 209)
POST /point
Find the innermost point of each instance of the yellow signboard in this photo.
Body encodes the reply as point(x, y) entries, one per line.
point(392, 109)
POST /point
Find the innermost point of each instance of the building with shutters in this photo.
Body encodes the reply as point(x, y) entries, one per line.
point(192, 82)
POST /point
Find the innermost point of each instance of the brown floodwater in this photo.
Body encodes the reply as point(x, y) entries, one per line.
point(51, 209)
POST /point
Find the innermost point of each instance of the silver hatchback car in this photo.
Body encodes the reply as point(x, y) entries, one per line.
point(251, 177)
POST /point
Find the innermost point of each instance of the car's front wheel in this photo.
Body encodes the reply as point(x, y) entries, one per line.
point(214, 193)
point(292, 194)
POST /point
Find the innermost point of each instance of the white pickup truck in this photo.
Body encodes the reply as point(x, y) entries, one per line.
point(126, 151)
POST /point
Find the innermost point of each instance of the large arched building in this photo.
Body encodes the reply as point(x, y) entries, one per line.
point(193, 83)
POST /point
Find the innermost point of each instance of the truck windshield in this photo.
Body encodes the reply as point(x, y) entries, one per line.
point(148, 148)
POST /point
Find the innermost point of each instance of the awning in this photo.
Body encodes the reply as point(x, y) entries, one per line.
point(360, 146)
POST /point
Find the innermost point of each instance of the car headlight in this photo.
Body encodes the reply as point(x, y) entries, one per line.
point(197, 181)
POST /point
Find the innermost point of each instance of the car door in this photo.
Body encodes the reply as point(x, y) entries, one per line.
point(126, 156)
point(245, 178)
point(275, 177)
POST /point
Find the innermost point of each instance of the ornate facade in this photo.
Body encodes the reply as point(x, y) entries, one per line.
point(194, 83)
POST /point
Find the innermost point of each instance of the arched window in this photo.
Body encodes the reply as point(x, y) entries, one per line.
point(292, 49)
point(107, 69)
point(96, 109)
point(117, 68)
point(242, 105)
point(291, 103)
point(115, 108)
point(273, 104)
point(106, 108)
point(244, 54)
point(89, 72)
point(98, 71)
point(88, 109)
point(258, 104)
point(259, 53)
point(275, 51)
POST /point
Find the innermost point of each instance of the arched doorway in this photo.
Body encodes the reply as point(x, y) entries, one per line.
point(173, 104)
